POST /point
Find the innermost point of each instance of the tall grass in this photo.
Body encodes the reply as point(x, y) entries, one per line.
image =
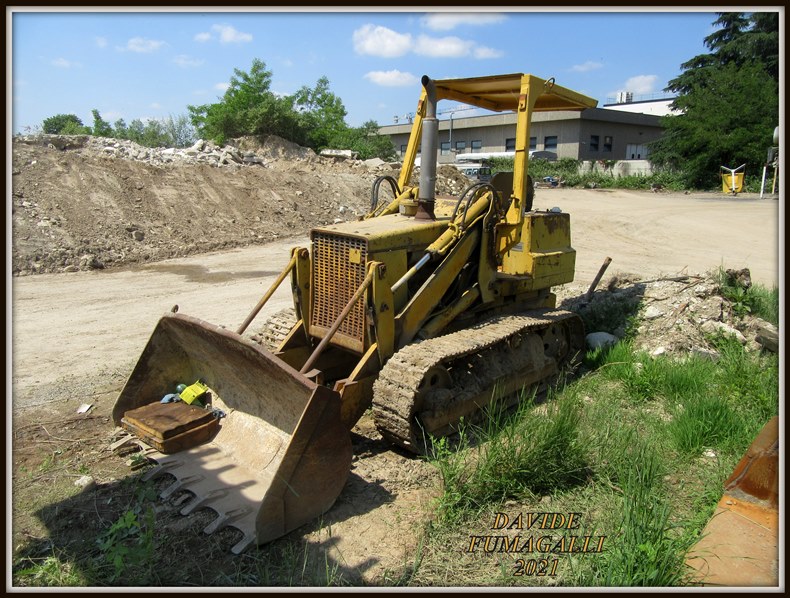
point(705, 421)
point(644, 551)
point(627, 443)
point(646, 378)
point(536, 452)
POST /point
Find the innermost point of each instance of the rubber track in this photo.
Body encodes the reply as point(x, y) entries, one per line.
point(394, 392)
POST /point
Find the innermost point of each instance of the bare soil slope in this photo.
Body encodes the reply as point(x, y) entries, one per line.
point(83, 203)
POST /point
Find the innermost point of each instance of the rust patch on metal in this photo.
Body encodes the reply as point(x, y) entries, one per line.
point(555, 222)
point(757, 474)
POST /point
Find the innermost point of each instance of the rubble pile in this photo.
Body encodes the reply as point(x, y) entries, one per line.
point(85, 203)
point(673, 315)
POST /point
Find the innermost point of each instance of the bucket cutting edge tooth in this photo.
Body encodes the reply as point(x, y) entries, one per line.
point(179, 484)
point(225, 519)
point(160, 468)
point(244, 543)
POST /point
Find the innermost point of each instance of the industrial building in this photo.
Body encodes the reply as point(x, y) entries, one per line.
point(618, 131)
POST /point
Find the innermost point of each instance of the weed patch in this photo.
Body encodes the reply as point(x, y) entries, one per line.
point(536, 452)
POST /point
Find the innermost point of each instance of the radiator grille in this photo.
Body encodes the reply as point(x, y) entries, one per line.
point(337, 274)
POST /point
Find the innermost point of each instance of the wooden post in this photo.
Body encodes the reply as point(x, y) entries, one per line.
point(598, 276)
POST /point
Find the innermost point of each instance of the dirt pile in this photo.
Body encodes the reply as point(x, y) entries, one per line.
point(84, 203)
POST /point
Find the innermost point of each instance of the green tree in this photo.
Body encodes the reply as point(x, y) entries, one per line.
point(366, 141)
point(322, 114)
point(248, 107)
point(64, 124)
point(119, 129)
point(728, 101)
point(101, 128)
point(179, 131)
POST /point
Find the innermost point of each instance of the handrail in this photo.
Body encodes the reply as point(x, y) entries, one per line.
point(248, 320)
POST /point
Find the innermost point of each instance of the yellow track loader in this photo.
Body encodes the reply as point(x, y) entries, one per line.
point(418, 311)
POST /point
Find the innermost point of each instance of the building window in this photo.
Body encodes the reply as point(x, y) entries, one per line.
point(510, 144)
point(636, 151)
point(550, 142)
point(402, 150)
point(445, 148)
point(477, 145)
point(607, 144)
point(460, 146)
point(594, 139)
point(533, 143)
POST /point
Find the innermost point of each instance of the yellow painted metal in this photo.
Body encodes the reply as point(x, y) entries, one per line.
point(392, 232)
point(356, 391)
point(544, 253)
point(300, 285)
point(502, 92)
point(524, 94)
point(414, 143)
point(267, 295)
point(340, 318)
point(463, 221)
point(383, 303)
point(518, 92)
point(414, 315)
point(439, 322)
point(389, 239)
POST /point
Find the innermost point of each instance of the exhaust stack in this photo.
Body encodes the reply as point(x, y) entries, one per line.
point(430, 143)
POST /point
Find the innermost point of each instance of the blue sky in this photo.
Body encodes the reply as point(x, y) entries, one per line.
point(154, 64)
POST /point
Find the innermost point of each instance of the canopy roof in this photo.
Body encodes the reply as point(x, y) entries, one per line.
point(501, 92)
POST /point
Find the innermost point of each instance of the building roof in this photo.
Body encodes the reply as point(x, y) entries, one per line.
point(509, 118)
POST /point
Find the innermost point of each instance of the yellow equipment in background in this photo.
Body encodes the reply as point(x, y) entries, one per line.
point(732, 179)
point(419, 311)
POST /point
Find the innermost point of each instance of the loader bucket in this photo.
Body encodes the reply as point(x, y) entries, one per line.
point(740, 543)
point(281, 455)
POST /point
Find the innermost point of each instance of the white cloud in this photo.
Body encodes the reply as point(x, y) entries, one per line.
point(483, 52)
point(229, 35)
point(586, 67)
point(443, 47)
point(641, 84)
point(445, 21)
point(62, 63)
point(222, 86)
point(101, 42)
point(375, 40)
point(186, 61)
point(393, 78)
point(143, 46)
point(155, 105)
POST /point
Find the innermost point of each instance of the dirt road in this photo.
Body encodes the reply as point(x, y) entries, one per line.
point(84, 323)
